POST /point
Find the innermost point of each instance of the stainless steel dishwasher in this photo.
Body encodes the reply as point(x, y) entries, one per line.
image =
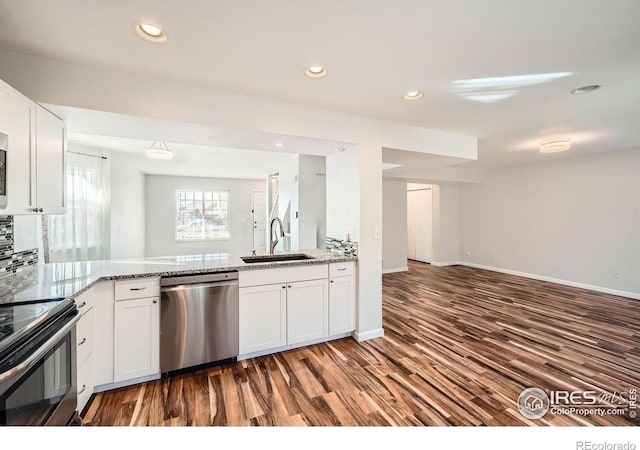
point(198, 320)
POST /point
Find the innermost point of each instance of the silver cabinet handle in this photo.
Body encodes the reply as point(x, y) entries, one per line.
point(332, 281)
point(82, 305)
point(82, 341)
point(137, 289)
point(84, 388)
point(155, 300)
point(41, 210)
point(283, 286)
point(289, 286)
point(35, 210)
point(340, 270)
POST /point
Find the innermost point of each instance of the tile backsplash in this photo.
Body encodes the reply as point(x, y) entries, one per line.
point(347, 247)
point(11, 262)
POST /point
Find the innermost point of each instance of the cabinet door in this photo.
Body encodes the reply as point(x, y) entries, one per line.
point(101, 296)
point(342, 305)
point(307, 310)
point(262, 317)
point(17, 121)
point(137, 338)
point(50, 162)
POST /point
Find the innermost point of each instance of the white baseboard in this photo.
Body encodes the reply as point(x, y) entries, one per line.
point(591, 287)
point(293, 346)
point(366, 335)
point(119, 384)
point(446, 263)
point(400, 269)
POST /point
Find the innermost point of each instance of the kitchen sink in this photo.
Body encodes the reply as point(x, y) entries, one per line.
point(275, 258)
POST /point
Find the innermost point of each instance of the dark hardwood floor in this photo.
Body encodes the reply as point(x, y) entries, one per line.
point(460, 345)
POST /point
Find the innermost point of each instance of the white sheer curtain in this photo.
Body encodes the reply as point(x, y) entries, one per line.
point(79, 235)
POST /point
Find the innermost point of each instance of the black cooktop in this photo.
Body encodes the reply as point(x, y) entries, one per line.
point(20, 320)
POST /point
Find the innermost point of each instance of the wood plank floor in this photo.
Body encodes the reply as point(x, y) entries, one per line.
point(460, 345)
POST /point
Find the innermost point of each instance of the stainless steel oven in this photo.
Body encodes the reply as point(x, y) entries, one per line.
point(38, 364)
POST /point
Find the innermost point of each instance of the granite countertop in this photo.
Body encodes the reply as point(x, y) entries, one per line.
point(69, 279)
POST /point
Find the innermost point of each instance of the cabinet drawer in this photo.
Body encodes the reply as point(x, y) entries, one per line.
point(85, 382)
point(282, 275)
point(341, 269)
point(84, 302)
point(84, 336)
point(137, 288)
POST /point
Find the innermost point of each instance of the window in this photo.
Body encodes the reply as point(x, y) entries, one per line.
point(202, 215)
point(80, 234)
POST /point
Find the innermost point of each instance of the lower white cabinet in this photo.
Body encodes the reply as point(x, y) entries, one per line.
point(85, 381)
point(307, 311)
point(136, 338)
point(342, 305)
point(262, 317)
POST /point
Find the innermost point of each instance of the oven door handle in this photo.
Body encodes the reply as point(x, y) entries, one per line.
point(25, 365)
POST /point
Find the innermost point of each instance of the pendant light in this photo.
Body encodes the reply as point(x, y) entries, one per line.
point(159, 150)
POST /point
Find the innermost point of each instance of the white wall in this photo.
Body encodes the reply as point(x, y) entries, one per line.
point(446, 224)
point(127, 206)
point(288, 205)
point(312, 201)
point(394, 225)
point(575, 219)
point(343, 194)
point(161, 215)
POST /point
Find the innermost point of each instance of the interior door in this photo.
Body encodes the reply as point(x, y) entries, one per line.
point(259, 209)
point(411, 224)
point(424, 224)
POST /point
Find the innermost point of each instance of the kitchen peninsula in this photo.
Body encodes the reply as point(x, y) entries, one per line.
point(279, 306)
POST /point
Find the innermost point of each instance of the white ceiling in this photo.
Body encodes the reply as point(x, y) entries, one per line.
point(375, 50)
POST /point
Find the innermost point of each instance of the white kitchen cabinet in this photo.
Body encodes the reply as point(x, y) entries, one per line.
point(36, 155)
point(51, 153)
point(17, 121)
point(262, 317)
point(342, 305)
point(137, 338)
point(307, 311)
point(85, 381)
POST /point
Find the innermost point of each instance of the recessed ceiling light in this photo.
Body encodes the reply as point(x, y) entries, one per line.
point(586, 89)
point(315, 71)
point(555, 146)
point(159, 150)
point(412, 95)
point(279, 144)
point(151, 32)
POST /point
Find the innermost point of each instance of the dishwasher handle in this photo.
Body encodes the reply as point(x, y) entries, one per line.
point(188, 287)
point(198, 279)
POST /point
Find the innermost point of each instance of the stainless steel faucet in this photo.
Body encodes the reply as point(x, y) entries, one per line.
point(274, 237)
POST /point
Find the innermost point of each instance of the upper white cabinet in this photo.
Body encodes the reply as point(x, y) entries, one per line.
point(51, 153)
point(36, 155)
point(17, 121)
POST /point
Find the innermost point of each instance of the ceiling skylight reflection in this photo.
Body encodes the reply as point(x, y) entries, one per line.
point(494, 89)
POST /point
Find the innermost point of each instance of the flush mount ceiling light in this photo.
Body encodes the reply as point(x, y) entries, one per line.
point(315, 71)
point(159, 150)
point(586, 89)
point(151, 32)
point(555, 146)
point(412, 95)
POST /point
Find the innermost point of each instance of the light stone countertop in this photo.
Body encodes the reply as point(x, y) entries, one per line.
point(68, 279)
